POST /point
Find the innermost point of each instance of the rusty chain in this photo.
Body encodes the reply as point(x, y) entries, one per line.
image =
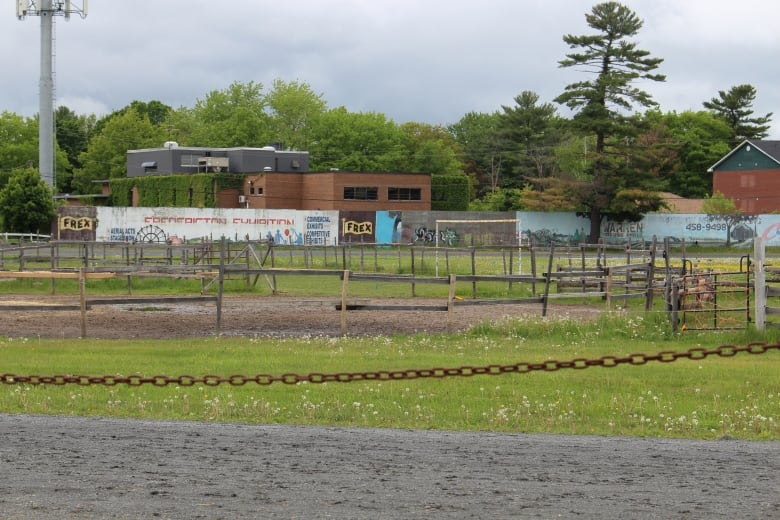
point(667, 356)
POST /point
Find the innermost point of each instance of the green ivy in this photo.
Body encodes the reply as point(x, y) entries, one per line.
point(197, 190)
point(450, 192)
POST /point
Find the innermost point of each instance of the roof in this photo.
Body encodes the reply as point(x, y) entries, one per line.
point(771, 149)
point(679, 204)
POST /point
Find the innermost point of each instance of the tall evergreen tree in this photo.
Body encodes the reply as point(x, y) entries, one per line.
point(735, 108)
point(527, 135)
point(602, 103)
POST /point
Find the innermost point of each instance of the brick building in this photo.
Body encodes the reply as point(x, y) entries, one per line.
point(276, 179)
point(750, 176)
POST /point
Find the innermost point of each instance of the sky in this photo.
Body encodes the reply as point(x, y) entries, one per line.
point(427, 61)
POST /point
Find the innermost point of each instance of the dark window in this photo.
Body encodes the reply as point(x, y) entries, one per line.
point(360, 193)
point(404, 194)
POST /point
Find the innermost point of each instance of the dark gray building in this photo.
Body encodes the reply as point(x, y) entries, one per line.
point(175, 159)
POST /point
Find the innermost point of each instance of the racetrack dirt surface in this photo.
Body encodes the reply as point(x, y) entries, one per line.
point(265, 316)
point(81, 468)
point(87, 468)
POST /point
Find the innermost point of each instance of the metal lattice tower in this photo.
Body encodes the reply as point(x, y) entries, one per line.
point(47, 10)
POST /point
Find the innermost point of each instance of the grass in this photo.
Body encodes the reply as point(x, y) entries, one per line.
point(706, 399)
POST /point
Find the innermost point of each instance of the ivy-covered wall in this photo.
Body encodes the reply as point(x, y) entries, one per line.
point(196, 190)
point(450, 192)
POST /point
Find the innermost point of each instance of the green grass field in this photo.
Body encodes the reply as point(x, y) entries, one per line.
point(737, 396)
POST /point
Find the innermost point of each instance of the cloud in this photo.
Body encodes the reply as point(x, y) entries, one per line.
point(429, 61)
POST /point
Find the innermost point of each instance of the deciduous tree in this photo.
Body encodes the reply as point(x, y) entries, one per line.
point(26, 203)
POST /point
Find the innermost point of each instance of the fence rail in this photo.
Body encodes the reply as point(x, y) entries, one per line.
point(586, 272)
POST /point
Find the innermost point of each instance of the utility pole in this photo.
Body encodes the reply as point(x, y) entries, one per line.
point(47, 10)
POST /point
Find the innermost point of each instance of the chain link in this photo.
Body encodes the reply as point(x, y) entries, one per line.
point(666, 356)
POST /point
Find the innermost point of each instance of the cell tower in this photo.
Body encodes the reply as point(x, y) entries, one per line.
point(47, 10)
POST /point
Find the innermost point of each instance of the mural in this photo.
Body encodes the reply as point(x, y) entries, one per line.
point(75, 223)
point(176, 225)
point(358, 226)
point(179, 225)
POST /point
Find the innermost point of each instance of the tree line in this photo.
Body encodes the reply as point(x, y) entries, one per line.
point(612, 158)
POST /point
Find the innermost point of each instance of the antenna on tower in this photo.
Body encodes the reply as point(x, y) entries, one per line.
point(47, 10)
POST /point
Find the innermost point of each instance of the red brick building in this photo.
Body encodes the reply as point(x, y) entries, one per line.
point(346, 191)
point(750, 176)
point(276, 179)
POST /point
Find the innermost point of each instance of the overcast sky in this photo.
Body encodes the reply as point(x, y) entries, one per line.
point(428, 61)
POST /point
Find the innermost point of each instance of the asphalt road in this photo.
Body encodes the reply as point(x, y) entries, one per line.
point(68, 467)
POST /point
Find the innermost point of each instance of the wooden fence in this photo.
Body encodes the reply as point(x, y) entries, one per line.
point(584, 272)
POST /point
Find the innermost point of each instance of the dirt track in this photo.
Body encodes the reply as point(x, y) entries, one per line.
point(79, 468)
point(55, 467)
point(247, 316)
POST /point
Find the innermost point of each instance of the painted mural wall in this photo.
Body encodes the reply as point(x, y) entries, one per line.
point(693, 228)
point(178, 225)
point(175, 225)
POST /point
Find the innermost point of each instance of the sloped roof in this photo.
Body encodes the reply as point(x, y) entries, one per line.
point(769, 148)
point(679, 204)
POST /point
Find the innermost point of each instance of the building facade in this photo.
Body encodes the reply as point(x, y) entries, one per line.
point(274, 179)
point(175, 159)
point(750, 176)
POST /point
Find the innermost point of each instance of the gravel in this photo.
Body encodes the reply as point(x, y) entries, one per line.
point(85, 468)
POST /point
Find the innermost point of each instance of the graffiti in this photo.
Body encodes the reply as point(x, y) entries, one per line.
point(447, 237)
point(547, 237)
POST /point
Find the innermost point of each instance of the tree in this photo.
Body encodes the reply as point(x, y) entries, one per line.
point(235, 116)
point(527, 136)
point(617, 63)
point(362, 141)
point(294, 109)
point(27, 203)
point(721, 210)
point(430, 149)
point(699, 140)
point(73, 132)
point(106, 156)
point(477, 135)
point(18, 142)
point(735, 107)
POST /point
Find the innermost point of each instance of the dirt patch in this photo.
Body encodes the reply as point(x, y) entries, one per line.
point(268, 316)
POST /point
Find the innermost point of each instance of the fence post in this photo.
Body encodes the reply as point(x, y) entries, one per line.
point(450, 301)
point(675, 296)
point(548, 276)
point(473, 271)
point(759, 281)
point(344, 291)
point(83, 300)
point(220, 284)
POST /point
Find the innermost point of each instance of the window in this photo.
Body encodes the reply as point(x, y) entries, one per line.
point(404, 194)
point(360, 193)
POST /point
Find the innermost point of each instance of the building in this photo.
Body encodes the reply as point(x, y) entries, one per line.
point(750, 176)
point(175, 159)
point(355, 191)
point(274, 179)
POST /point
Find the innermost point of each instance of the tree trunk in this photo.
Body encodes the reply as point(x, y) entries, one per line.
point(595, 225)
